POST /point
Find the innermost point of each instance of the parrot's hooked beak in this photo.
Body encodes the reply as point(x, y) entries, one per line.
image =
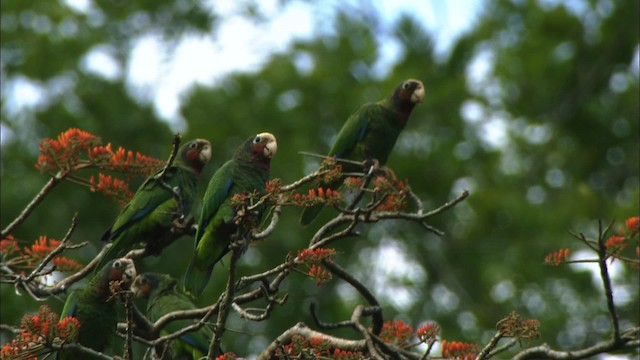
point(418, 93)
point(205, 153)
point(129, 272)
point(270, 146)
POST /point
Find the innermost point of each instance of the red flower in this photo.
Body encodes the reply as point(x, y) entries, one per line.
point(614, 241)
point(64, 264)
point(396, 332)
point(9, 245)
point(428, 332)
point(313, 256)
point(320, 274)
point(41, 247)
point(557, 257)
point(68, 328)
point(633, 224)
point(459, 350)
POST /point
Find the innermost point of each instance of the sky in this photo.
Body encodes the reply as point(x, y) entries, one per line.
point(233, 48)
point(160, 75)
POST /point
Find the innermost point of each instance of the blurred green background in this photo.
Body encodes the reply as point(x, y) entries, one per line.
point(534, 110)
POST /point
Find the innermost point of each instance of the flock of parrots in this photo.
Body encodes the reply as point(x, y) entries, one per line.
point(369, 134)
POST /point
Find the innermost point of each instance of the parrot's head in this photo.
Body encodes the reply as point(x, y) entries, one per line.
point(264, 145)
point(146, 284)
point(196, 154)
point(122, 270)
point(408, 93)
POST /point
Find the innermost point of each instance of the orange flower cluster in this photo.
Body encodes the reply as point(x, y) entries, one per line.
point(396, 332)
point(64, 152)
point(76, 149)
point(633, 224)
point(110, 186)
point(273, 186)
point(9, 245)
point(25, 259)
point(320, 274)
point(319, 195)
point(41, 247)
point(314, 256)
point(428, 333)
point(314, 348)
point(64, 264)
point(127, 162)
point(40, 329)
point(557, 257)
point(227, 356)
point(460, 350)
point(395, 192)
point(347, 355)
point(515, 327)
point(353, 182)
point(615, 241)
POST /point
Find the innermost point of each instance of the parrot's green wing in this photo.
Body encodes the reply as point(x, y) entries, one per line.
point(352, 133)
point(147, 218)
point(370, 133)
point(213, 217)
point(247, 171)
point(94, 307)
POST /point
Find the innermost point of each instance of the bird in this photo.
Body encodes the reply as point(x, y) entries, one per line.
point(162, 295)
point(246, 172)
point(149, 215)
point(93, 306)
point(370, 133)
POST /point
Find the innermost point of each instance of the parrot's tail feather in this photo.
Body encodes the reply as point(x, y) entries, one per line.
point(196, 279)
point(310, 213)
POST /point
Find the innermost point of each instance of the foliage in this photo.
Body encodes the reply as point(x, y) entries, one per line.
point(544, 138)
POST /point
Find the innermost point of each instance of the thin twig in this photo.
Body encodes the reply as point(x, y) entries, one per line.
point(53, 181)
point(227, 299)
point(606, 281)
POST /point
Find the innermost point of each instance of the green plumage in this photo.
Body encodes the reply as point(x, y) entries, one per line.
point(93, 309)
point(163, 297)
point(371, 132)
point(246, 172)
point(147, 218)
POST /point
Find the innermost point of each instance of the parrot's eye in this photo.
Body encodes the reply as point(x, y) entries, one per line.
point(193, 145)
point(257, 140)
point(117, 264)
point(406, 85)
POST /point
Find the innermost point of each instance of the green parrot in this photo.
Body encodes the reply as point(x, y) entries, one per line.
point(370, 133)
point(246, 172)
point(149, 215)
point(94, 307)
point(163, 297)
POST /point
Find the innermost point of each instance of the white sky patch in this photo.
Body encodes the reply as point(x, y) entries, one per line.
point(80, 6)
point(621, 292)
point(101, 61)
point(395, 272)
point(493, 132)
point(24, 93)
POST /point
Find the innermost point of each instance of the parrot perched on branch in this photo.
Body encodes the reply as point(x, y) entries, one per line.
point(370, 133)
point(148, 217)
point(246, 172)
point(163, 297)
point(95, 306)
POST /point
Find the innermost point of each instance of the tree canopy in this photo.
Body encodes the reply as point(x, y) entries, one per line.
point(534, 111)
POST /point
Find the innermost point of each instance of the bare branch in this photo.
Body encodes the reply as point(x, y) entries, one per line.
point(53, 181)
point(606, 281)
point(302, 330)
